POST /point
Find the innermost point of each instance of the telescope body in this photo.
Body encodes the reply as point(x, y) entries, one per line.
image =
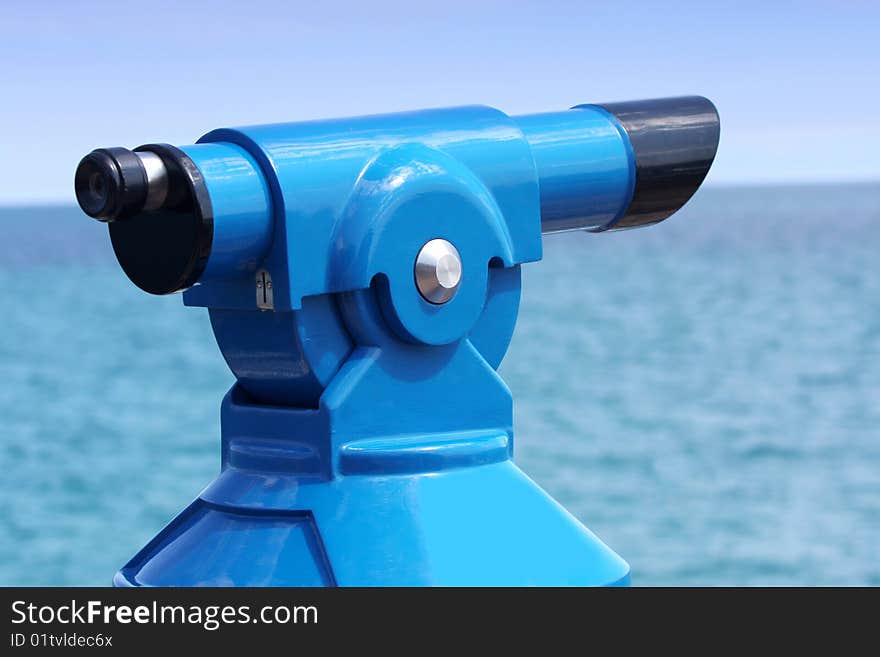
point(362, 278)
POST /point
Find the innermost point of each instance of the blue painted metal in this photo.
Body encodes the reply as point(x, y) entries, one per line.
point(368, 438)
point(241, 207)
point(586, 166)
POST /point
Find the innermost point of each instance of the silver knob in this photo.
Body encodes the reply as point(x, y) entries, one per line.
point(438, 271)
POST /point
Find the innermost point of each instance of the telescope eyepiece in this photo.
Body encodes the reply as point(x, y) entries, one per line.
point(111, 183)
point(116, 183)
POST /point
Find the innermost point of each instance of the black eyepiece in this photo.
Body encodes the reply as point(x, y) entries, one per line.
point(111, 184)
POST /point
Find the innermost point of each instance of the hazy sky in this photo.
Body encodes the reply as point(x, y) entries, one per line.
point(797, 83)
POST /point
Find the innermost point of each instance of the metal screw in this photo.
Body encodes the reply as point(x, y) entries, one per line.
point(438, 271)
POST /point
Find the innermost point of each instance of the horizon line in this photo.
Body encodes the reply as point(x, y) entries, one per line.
point(721, 184)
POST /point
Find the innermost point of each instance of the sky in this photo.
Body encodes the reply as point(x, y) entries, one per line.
point(797, 84)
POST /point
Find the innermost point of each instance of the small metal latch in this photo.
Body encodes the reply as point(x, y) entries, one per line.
point(265, 299)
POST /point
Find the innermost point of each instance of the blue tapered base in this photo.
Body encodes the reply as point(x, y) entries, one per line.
point(488, 525)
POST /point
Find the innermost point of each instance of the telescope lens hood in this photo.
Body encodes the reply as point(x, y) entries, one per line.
point(674, 141)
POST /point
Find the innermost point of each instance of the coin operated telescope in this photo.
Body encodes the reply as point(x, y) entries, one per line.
point(362, 278)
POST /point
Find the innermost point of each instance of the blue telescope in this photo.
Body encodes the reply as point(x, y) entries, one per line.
point(362, 278)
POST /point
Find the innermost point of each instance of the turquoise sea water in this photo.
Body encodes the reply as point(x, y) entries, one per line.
point(704, 395)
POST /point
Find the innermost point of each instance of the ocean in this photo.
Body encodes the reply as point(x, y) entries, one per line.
point(703, 394)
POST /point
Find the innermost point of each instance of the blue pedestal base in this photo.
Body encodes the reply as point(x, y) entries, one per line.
point(488, 525)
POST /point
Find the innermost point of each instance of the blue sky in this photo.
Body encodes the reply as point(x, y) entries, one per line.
point(796, 82)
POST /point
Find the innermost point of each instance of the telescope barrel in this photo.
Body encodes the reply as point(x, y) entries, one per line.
point(180, 216)
point(620, 165)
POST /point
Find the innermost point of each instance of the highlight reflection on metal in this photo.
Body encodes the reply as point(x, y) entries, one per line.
point(157, 180)
point(438, 271)
point(356, 272)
